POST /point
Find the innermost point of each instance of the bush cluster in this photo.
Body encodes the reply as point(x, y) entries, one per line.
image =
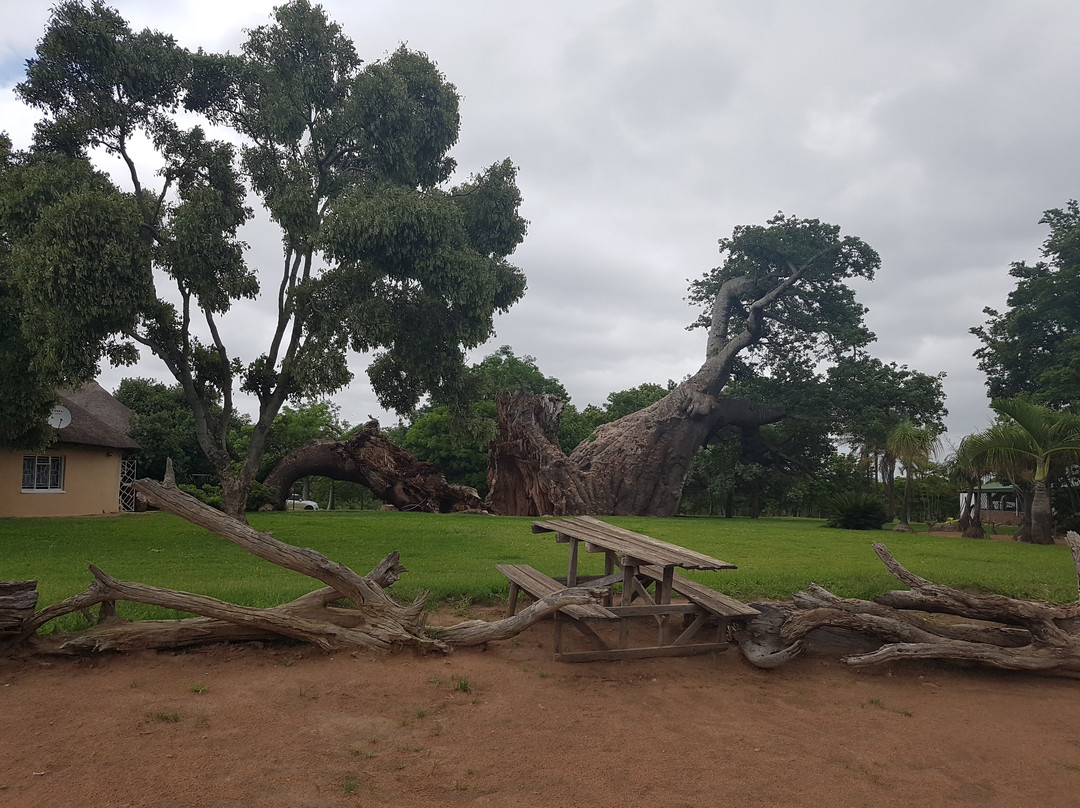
point(854, 510)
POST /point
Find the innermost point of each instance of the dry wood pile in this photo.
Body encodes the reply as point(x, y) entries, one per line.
point(927, 621)
point(350, 611)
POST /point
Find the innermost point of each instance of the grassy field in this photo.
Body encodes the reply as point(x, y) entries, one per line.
point(454, 556)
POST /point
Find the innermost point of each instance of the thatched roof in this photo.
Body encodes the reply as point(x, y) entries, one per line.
point(97, 419)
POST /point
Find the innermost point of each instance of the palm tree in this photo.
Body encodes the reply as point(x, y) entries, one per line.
point(911, 445)
point(967, 471)
point(1029, 445)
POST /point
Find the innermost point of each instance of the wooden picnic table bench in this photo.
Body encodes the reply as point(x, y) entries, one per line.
point(641, 561)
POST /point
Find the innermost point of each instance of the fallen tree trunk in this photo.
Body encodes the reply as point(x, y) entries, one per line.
point(930, 621)
point(392, 474)
point(374, 621)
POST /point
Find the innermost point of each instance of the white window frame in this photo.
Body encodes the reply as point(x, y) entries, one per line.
point(46, 474)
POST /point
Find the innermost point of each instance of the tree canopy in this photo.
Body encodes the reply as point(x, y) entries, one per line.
point(1033, 347)
point(164, 427)
point(351, 160)
point(780, 297)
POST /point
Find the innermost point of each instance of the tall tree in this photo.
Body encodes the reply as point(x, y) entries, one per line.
point(779, 298)
point(351, 162)
point(968, 468)
point(912, 445)
point(1033, 347)
point(1034, 440)
point(868, 399)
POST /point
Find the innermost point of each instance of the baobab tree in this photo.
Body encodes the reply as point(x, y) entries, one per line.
point(777, 301)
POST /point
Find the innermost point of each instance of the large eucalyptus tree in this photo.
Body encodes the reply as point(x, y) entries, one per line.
point(350, 160)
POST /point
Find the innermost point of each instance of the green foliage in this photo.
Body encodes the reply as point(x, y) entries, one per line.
point(456, 439)
point(796, 269)
point(1033, 347)
point(856, 510)
point(293, 427)
point(434, 437)
point(260, 495)
point(785, 323)
point(164, 426)
point(348, 158)
point(912, 446)
point(206, 493)
point(1031, 446)
point(868, 398)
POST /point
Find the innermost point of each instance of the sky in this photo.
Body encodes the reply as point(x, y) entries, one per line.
point(644, 131)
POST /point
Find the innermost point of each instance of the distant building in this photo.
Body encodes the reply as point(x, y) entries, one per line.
point(87, 471)
point(998, 504)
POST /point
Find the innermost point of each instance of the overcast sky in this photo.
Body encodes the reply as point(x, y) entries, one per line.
point(936, 131)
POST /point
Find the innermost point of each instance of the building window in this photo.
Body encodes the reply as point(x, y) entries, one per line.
point(42, 473)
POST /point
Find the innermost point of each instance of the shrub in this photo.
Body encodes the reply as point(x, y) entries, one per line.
point(856, 511)
point(260, 495)
point(210, 494)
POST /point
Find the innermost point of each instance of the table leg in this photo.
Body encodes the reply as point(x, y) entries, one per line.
point(663, 596)
point(571, 572)
point(629, 574)
point(511, 602)
point(609, 568)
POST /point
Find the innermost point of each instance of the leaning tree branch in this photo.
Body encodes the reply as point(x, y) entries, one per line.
point(308, 562)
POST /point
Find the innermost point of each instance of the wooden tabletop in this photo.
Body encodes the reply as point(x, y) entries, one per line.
point(635, 548)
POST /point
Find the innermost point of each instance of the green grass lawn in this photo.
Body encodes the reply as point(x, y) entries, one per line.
point(454, 556)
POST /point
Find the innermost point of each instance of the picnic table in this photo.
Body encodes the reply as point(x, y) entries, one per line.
point(641, 561)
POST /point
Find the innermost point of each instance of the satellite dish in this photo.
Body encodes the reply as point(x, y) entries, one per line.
point(59, 417)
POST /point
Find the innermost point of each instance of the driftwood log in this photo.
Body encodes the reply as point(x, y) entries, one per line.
point(928, 621)
point(369, 618)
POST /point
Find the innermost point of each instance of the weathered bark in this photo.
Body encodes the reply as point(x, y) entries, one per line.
point(635, 465)
point(394, 475)
point(1008, 633)
point(375, 621)
point(18, 599)
point(528, 475)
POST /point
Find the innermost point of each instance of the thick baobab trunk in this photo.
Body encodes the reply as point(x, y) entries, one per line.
point(394, 475)
point(528, 474)
point(635, 465)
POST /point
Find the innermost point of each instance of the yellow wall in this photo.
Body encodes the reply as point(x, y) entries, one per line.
point(91, 484)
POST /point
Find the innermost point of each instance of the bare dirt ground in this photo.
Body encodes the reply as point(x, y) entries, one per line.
point(287, 726)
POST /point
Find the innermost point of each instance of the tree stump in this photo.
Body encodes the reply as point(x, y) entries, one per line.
point(18, 599)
